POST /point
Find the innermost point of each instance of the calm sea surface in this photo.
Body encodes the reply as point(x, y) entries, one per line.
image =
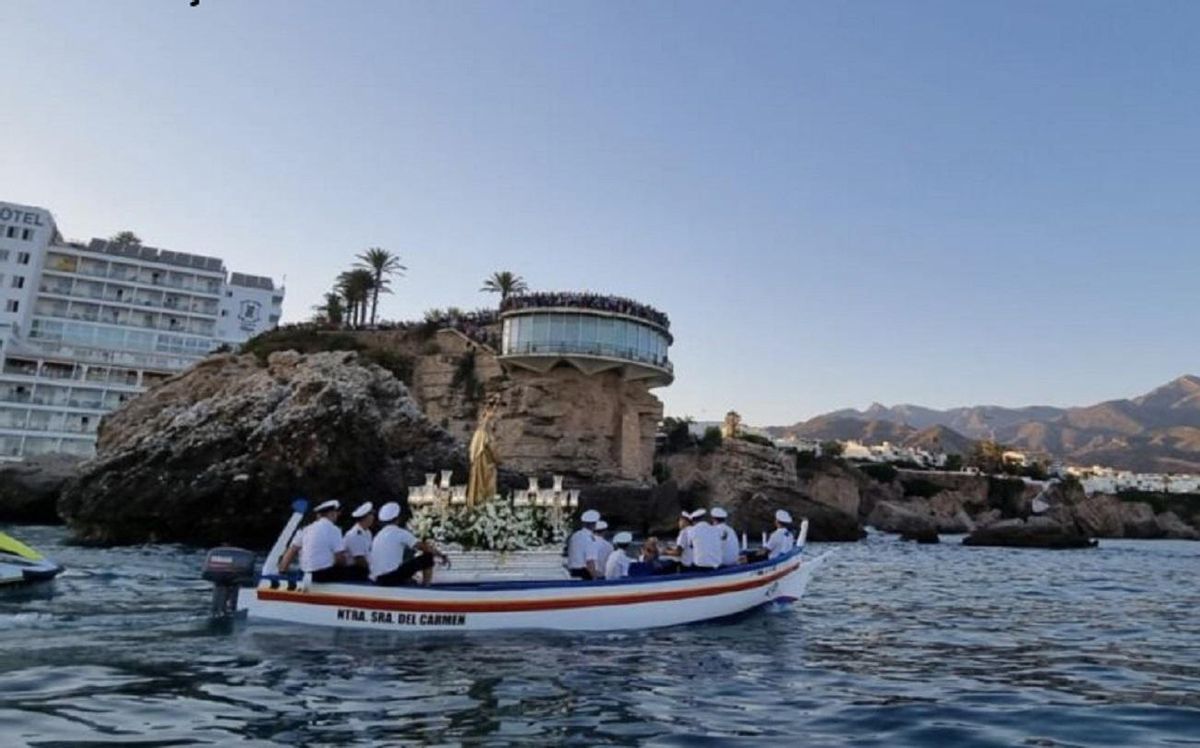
point(896, 644)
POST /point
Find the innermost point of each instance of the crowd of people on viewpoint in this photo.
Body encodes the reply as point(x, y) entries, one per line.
point(705, 543)
point(585, 300)
point(393, 556)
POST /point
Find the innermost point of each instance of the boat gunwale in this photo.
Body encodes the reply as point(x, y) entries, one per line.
point(538, 584)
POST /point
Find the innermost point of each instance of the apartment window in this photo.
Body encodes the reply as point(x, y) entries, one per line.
point(12, 232)
point(3, 255)
point(10, 305)
point(23, 257)
point(26, 234)
point(18, 281)
point(229, 294)
point(224, 312)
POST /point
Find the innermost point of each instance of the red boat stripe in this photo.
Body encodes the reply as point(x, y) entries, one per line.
point(513, 606)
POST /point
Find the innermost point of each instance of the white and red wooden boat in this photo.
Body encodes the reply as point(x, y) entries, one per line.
point(557, 604)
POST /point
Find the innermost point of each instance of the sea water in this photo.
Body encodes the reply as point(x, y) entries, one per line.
point(895, 644)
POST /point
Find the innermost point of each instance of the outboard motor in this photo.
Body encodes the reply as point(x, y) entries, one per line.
point(228, 569)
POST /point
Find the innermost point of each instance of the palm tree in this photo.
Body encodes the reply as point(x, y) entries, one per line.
point(382, 264)
point(125, 239)
point(355, 286)
point(506, 283)
point(333, 311)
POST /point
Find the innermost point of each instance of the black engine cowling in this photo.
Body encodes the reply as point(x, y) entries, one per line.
point(228, 569)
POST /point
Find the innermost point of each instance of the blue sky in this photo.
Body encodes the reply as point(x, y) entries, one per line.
point(943, 203)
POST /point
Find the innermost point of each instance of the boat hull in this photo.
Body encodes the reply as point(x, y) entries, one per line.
point(614, 605)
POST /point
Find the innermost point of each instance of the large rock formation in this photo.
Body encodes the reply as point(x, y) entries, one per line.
point(907, 520)
point(217, 453)
point(29, 490)
point(594, 427)
point(1034, 532)
point(1108, 516)
point(752, 481)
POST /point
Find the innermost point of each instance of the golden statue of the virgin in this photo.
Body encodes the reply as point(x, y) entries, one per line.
point(484, 460)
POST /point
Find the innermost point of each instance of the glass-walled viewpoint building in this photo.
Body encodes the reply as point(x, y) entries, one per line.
point(85, 327)
point(593, 333)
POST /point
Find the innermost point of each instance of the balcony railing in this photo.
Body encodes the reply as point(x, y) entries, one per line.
point(588, 349)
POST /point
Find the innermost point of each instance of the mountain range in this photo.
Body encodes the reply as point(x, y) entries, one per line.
point(1155, 432)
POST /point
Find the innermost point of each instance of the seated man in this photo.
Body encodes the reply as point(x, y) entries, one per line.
point(388, 549)
point(782, 540)
point(321, 548)
point(731, 550)
point(618, 562)
point(358, 538)
point(706, 543)
point(583, 550)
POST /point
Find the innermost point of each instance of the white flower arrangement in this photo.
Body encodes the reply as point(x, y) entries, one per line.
point(491, 526)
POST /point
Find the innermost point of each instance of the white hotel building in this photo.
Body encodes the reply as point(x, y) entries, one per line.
point(85, 327)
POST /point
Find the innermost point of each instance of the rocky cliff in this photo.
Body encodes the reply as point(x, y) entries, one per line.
point(29, 490)
point(216, 454)
point(752, 481)
point(592, 427)
point(914, 502)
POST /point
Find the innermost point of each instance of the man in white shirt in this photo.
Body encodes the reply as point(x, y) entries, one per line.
point(582, 549)
point(389, 548)
point(617, 565)
point(358, 538)
point(731, 549)
point(683, 543)
point(603, 548)
point(706, 543)
point(320, 547)
point(782, 540)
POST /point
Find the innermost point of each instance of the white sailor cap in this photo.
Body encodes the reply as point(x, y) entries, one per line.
point(698, 514)
point(362, 510)
point(685, 514)
point(781, 515)
point(326, 506)
point(590, 515)
point(719, 513)
point(622, 538)
point(389, 511)
point(601, 524)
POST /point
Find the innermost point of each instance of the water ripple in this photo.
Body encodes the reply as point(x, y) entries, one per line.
point(896, 644)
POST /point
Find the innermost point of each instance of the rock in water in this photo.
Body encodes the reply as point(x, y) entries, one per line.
point(1035, 532)
point(890, 516)
point(216, 454)
point(29, 490)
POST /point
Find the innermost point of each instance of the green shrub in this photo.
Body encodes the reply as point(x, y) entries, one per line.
point(678, 435)
point(756, 439)
point(880, 471)
point(805, 460)
point(661, 472)
point(711, 440)
point(312, 341)
point(299, 340)
point(832, 449)
point(920, 487)
point(954, 463)
point(464, 376)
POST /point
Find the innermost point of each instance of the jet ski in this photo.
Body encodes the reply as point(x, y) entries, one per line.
point(20, 565)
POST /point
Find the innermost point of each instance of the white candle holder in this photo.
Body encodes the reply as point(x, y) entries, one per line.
point(447, 476)
point(558, 484)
